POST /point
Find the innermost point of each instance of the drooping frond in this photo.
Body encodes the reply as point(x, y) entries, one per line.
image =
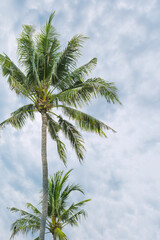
point(18, 118)
point(24, 226)
point(104, 89)
point(26, 223)
point(25, 214)
point(85, 121)
point(74, 137)
point(16, 79)
point(74, 219)
point(81, 93)
point(34, 209)
point(67, 62)
point(53, 129)
point(72, 214)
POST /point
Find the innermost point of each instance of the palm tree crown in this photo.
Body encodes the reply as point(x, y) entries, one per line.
point(60, 211)
point(51, 81)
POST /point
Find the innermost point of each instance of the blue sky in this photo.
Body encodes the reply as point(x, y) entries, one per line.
point(120, 173)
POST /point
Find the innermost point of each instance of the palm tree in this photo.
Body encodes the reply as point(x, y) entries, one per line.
point(60, 212)
point(52, 82)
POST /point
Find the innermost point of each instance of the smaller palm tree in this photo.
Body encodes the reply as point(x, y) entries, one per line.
point(60, 211)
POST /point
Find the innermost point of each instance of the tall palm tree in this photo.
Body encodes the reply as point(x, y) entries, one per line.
point(60, 211)
point(51, 81)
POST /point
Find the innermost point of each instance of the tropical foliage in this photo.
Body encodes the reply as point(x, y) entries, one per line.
point(60, 211)
point(52, 81)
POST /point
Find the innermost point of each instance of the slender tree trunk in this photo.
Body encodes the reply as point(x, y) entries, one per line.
point(54, 236)
point(45, 176)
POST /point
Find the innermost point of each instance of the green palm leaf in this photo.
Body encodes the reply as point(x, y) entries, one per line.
point(85, 121)
point(16, 78)
point(47, 46)
point(77, 76)
point(104, 89)
point(19, 117)
point(70, 217)
point(74, 136)
point(68, 190)
point(27, 54)
point(67, 62)
point(53, 129)
point(81, 93)
point(33, 208)
point(60, 235)
point(26, 223)
point(74, 219)
point(80, 73)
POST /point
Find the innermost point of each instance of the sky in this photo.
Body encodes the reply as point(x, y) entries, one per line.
point(120, 173)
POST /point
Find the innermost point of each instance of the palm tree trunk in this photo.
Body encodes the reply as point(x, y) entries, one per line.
point(45, 176)
point(54, 236)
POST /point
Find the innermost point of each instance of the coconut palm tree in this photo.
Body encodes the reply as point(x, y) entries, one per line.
point(51, 81)
point(60, 212)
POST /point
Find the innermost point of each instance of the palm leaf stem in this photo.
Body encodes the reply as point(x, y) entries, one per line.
point(54, 114)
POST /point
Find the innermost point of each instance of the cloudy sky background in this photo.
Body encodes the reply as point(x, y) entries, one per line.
point(120, 173)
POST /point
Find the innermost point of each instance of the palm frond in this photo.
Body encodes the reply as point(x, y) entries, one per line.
point(25, 214)
point(27, 54)
point(18, 117)
point(46, 37)
point(47, 46)
point(26, 45)
point(26, 223)
point(81, 93)
point(24, 227)
point(60, 235)
point(16, 78)
point(80, 73)
point(104, 89)
point(85, 121)
point(54, 201)
point(78, 76)
point(33, 208)
point(53, 129)
point(74, 137)
point(55, 189)
point(82, 203)
point(75, 218)
point(65, 178)
point(68, 190)
point(71, 214)
point(67, 62)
